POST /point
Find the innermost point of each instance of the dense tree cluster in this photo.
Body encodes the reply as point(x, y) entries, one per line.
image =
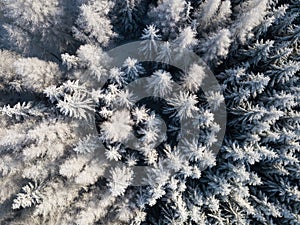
point(73, 138)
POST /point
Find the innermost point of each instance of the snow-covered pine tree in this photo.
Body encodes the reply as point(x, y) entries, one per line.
point(93, 25)
point(169, 16)
point(128, 17)
point(38, 28)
